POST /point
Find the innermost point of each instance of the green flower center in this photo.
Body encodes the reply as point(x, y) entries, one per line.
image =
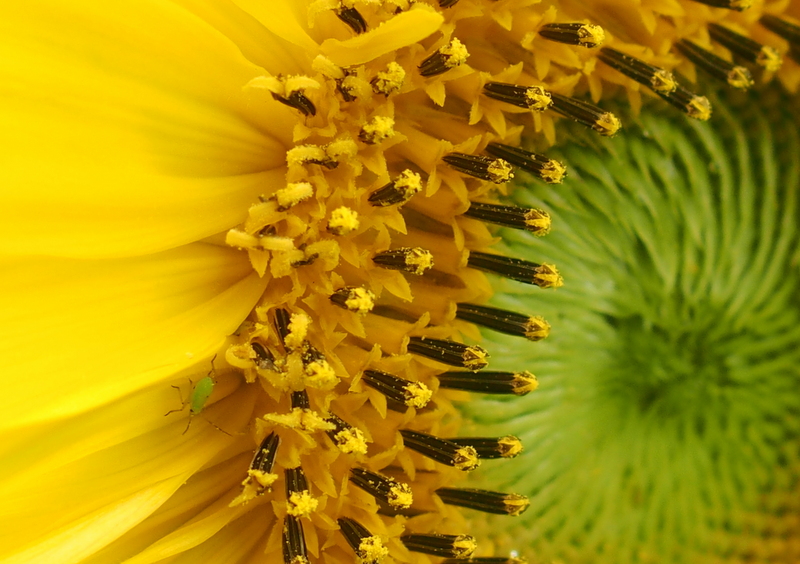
point(667, 424)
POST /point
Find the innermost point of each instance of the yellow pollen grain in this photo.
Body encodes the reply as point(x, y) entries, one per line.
point(591, 35)
point(278, 244)
point(304, 154)
point(409, 183)
point(419, 260)
point(466, 458)
point(299, 560)
point(538, 222)
point(301, 504)
point(663, 81)
point(516, 504)
point(510, 446)
point(377, 129)
point(537, 98)
point(739, 77)
point(500, 171)
point(537, 328)
point(328, 68)
point(553, 172)
point(474, 357)
point(343, 221)
point(464, 546)
point(389, 81)
point(241, 240)
point(547, 276)
point(455, 53)
point(299, 83)
point(400, 496)
point(371, 550)
point(341, 149)
point(524, 382)
point(299, 419)
point(351, 441)
point(293, 194)
point(256, 483)
point(320, 375)
point(271, 83)
point(298, 330)
point(417, 395)
point(741, 4)
point(360, 300)
point(607, 124)
point(769, 58)
point(699, 108)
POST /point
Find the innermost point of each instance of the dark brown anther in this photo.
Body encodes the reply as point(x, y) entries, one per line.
point(413, 260)
point(789, 31)
point(346, 437)
point(529, 219)
point(308, 261)
point(398, 191)
point(487, 501)
point(491, 448)
point(353, 298)
point(485, 168)
point(445, 58)
point(549, 170)
point(533, 328)
point(735, 75)
point(368, 547)
point(282, 319)
point(300, 400)
point(298, 101)
point(529, 97)
point(688, 102)
point(543, 275)
point(441, 450)
point(737, 5)
point(763, 55)
point(265, 360)
point(655, 78)
point(384, 489)
point(294, 541)
point(446, 546)
point(296, 481)
point(447, 3)
point(451, 353)
point(265, 455)
point(585, 35)
point(400, 390)
point(352, 18)
point(605, 123)
point(517, 383)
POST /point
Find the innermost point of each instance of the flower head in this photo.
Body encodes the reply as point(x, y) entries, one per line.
point(305, 190)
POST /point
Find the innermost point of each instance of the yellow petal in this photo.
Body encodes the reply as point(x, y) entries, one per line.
point(402, 30)
point(123, 484)
point(88, 332)
point(284, 18)
point(116, 134)
point(254, 40)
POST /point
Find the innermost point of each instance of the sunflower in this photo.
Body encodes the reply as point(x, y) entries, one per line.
point(287, 212)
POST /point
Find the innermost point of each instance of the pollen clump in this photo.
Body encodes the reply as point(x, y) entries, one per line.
point(372, 551)
point(301, 504)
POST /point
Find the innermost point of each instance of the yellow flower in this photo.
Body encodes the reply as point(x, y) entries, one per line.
point(245, 181)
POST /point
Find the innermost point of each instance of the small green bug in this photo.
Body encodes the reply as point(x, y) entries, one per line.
point(201, 391)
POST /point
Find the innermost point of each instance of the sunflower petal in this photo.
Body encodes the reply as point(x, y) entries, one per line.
point(141, 136)
point(91, 332)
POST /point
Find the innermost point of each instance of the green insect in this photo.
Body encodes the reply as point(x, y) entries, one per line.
point(198, 396)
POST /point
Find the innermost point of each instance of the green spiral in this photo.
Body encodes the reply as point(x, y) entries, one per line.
point(666, 428)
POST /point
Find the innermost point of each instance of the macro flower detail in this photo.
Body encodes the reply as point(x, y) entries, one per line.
point(309, 193)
